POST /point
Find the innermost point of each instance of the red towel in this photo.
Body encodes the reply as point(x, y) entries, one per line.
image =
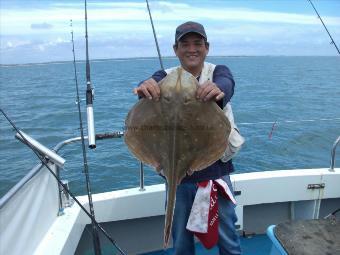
point(203, 220)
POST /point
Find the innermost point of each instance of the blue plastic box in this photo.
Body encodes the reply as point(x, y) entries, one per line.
point(277, 248)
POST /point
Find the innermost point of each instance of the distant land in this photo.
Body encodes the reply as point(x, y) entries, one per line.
point(149, 58)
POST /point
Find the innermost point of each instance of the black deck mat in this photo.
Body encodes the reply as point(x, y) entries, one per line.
point(310, 237)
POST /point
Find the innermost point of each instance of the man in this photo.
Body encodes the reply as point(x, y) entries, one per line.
point(191, 47)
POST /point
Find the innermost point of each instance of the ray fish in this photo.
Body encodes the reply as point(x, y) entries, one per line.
point(178, 134)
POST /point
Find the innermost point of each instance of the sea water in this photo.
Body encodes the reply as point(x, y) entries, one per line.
point(287, 108)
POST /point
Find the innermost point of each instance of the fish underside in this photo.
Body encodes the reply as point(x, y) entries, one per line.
point(178, 133)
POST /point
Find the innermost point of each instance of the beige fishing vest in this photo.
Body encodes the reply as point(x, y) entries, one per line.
point(235, 140)
point(206, 74)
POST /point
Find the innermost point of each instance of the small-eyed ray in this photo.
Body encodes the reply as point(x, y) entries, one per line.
point(178, 134)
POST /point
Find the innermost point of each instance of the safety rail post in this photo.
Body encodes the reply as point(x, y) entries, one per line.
point(331, 169)
point(141, 174)
point(60, 190)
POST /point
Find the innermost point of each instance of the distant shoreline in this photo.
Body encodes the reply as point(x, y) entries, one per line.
point(149, 58)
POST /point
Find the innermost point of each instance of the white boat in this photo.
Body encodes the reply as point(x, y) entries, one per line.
point(37, 217)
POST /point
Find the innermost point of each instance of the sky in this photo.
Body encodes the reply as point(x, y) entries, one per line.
point(39, 31)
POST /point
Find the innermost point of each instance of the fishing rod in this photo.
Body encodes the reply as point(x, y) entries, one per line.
point(44, 161)
point(332, 41)
point(155, 37)
point(96, 241)
point(89, 92)
point(276, 123)
point(160, 62)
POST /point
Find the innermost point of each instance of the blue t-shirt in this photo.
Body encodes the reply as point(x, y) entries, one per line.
point(225, 81)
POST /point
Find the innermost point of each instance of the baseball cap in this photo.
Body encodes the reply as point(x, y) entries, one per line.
point(189, 27)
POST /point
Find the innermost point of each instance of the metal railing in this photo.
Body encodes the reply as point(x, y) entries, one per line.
point(333, 154)
point(20, 184)
point(58, 147)
point(117, 134)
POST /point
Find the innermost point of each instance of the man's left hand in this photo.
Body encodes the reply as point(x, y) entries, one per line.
point(209, 91)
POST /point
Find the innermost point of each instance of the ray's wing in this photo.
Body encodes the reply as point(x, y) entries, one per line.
point(144, 131)
point(206, 129)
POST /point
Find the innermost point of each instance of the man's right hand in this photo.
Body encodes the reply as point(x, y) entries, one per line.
point(149, 89)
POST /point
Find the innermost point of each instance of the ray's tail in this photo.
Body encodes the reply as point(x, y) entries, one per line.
point(170, 208)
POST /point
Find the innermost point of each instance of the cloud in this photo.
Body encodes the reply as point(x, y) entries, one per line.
point(166, 7)
point(162, 11)
point(41, 26)
point(12, 44)
point(52, 43)
point(122, 29)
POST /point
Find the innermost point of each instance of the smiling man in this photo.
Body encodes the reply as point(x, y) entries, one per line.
point(217, 84)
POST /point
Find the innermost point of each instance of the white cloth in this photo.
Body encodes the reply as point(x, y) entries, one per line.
point(199, 215)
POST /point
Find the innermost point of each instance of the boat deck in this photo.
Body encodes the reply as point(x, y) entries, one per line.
point(321, 236)
point(255, 245)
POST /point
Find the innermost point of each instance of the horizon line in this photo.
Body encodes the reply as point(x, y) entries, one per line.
point(154, 57)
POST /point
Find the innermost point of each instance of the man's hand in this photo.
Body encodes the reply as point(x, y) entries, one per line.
point(148, 89)
point(209, 91)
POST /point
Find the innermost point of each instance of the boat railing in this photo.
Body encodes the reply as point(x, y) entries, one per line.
point(333, 154)
point(19, 185)
point(36, 196)
point(110, 135)
point(116, 134)
point(36, 169)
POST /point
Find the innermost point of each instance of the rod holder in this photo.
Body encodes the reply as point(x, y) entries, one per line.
point(90, 118)
point(66, 200)
point(44, 151)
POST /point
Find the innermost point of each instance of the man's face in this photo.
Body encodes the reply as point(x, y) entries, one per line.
point(191, 51)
